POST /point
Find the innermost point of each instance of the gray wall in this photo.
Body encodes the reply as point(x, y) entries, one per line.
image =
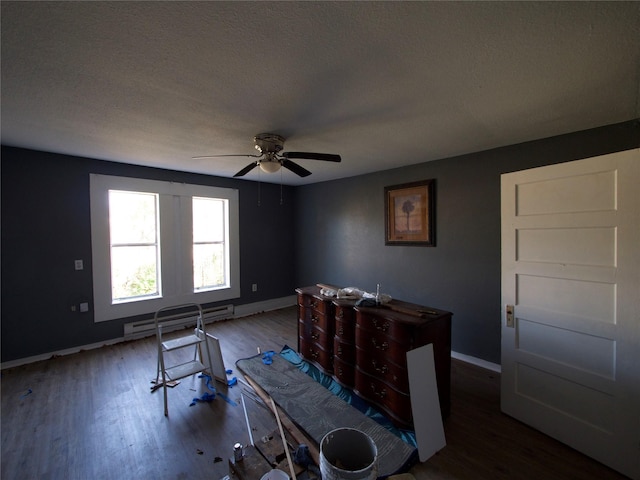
point(340, 231)
point(331, 232)
point(46, 226)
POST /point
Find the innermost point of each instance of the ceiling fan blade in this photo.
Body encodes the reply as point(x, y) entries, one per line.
point(246, 169)
point(224, 155)
point(327, 157)
point(295, 168)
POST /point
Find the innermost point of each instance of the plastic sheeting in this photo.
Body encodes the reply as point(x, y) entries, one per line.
point(346, 394)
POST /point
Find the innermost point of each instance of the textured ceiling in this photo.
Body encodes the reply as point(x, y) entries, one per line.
point(383, 84)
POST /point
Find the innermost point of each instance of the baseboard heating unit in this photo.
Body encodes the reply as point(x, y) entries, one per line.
point(145, 328)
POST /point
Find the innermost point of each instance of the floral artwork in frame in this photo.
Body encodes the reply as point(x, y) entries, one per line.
point(409, 214)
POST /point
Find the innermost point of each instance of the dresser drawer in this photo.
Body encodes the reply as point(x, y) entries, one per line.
point(345, 322)
point(344, 372)
point(345, 351)
point(381, 346)
point(314, 317)
point(396, 404)
point(315, 353)
point(314, 334)
point(382, 368)
point(346, 331)
point(401, 332)
point(320, 337)
point(314, 303)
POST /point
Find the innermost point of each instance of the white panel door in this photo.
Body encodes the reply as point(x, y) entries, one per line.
point(571, 278)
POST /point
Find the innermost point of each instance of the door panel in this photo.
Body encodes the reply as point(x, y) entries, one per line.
point(592, 407)
point(590, 353)
point(570, 268)
point(573, 246)
point(586, 299)
point(587, 192)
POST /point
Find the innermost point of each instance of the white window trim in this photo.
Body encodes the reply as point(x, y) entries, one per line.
point(177, 278)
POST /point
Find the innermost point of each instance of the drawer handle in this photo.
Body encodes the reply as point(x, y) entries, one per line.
point(340, 373)
point(314, 354)
point(381, 394)
point(340, 315)
point(314, 319)
point(382, 369)
point(315, 336)
point(383, 328)
point(382, 346)
point(341, 331)
point(340, 350)
point(314, 304)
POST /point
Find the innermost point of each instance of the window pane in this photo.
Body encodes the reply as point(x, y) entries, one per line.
point(132, 217)
point(133, 225)
point(208, 220)
point(134, 272)
point(208, 266)
point(209, 230)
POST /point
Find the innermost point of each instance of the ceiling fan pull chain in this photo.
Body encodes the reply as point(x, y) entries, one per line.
point(281, 202)
point(259, 175)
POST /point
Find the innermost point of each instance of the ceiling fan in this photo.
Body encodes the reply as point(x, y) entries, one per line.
point(270, 159)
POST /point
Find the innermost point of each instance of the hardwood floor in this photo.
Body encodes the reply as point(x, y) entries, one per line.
point(91, 416)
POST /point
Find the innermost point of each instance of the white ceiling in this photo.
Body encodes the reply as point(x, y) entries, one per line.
point(384, 84)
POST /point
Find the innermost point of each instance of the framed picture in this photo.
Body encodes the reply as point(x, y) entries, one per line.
point(409, 214)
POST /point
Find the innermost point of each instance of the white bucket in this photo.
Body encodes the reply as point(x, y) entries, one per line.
point(275, 474)
point(348, 454)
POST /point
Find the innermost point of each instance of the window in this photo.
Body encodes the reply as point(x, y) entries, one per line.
point(209, 259)
point(135, 259)
point(157, 244)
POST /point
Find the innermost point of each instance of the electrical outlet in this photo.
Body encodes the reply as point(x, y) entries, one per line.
point(84, 307)
point(79, 264)
point(254, 287)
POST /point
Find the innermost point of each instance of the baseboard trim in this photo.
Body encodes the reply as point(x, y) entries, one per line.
point(494, 367)
point(264, 306)
point(239, 311)
point(59, 353)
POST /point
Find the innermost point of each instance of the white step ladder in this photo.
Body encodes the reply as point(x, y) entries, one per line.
point(167, 373)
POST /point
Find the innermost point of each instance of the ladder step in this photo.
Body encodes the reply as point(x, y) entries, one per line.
point(184, 370)
point(181, 342)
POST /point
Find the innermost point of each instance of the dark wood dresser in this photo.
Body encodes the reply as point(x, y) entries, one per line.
point(365, 348)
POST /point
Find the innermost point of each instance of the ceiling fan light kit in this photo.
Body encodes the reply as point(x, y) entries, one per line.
point(270, 160)
point(269, 166)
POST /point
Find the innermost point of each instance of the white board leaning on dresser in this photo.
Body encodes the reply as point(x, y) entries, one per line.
point(425, 402)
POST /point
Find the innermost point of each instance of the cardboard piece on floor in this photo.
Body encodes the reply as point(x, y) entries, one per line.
point(170, 383)
point(217, 368)
point(425, 403)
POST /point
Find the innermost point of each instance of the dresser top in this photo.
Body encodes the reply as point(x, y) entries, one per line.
point(396, 309)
